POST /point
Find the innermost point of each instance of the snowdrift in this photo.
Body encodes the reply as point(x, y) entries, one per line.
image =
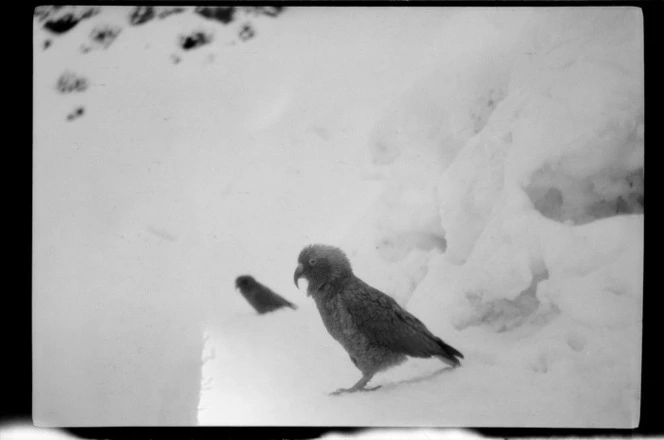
point(536, 170)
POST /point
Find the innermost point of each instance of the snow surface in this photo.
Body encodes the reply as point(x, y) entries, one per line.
point(25, 431)
point(484, 166)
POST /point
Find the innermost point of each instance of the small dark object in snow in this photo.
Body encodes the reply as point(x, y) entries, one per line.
point(61, 25)
point(104, 35)
point(47, 44)
point(247, 32)
point(44, 12)
point(66, 21)
point(141, 14)
point(375, 331)
point(270, 11)
point(259, 296)
point(223, 14)
point(194, 40)
point(76, 114)
point(169, 11)
point(70, 82)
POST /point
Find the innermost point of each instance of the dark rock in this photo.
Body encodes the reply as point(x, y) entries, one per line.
point(270, 11)
point(91, 12)
point(223, 14)
point(104, 35)
point(246, 32)
point(44, 12)
point(76, 114)
point(141, 14)
point(169, 11)
point(65, 22)
point(61, 25)
point(195, 39)
point(69, 82)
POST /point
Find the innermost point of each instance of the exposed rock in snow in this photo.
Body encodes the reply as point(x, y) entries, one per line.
point(69, 82)
point(223, 14)
point(77, 113)
point(143, 14)
point(195, 39)
point(247, 32)
point(60, 19)
point(101, 37)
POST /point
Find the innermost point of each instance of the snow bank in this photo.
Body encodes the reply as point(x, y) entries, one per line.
point(28, 431)
point(558, 121)
point(420, 135)
point(541, 206)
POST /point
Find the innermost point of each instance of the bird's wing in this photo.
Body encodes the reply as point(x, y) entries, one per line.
point(275, 300)
point(287, 303)
point(385, 323)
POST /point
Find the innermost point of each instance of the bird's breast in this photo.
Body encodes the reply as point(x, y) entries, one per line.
point(341, 326)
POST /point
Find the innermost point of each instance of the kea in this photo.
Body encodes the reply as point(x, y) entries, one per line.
point(376, 332)
point(260, 297)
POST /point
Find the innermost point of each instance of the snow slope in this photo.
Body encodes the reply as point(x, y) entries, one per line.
point(482, 165)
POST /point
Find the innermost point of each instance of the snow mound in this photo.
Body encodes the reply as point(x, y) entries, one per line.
point(420, 135)
point(534, 163)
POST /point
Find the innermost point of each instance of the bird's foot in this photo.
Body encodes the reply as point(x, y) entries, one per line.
point(339, 391)
point(370, 389)
point(352, 390)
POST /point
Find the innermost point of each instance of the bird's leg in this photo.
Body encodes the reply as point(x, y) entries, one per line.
point(359, 386)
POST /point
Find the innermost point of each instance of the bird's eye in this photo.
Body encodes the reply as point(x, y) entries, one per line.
point(312, 262)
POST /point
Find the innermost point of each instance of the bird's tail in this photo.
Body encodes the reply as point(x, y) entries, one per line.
point(449, 354)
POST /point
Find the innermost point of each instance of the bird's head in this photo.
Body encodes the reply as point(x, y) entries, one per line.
point(320, 264)
point(244, 281)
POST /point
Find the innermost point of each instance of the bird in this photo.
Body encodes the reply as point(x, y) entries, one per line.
point(261, 298)
point(371, 326)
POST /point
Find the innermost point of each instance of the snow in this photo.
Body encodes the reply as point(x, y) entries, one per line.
point(25, 431)
point(484, 166)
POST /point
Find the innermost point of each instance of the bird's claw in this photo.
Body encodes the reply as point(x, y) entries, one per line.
point(339, 391)
point(352, 390)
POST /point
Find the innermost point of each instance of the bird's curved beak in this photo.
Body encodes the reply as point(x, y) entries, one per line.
point(298, 274)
